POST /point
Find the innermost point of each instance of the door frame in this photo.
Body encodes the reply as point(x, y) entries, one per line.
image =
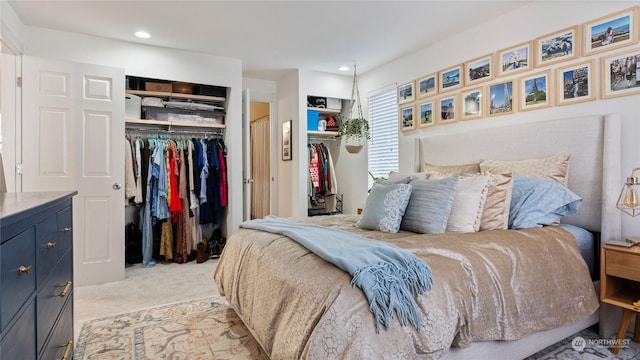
point(274, 131)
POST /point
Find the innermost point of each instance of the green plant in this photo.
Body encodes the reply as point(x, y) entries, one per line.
point(355, 131)
point(375, 179)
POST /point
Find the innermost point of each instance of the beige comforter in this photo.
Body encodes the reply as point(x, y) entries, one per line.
point(492, 285)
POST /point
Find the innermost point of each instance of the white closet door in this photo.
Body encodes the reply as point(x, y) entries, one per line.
point(73, 139)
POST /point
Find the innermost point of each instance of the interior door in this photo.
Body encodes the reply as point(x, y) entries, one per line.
point(73, 139)
point(246, 156)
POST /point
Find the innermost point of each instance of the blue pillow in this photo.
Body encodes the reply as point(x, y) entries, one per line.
point(429, 205)
point(385, 207)
point(537, 202)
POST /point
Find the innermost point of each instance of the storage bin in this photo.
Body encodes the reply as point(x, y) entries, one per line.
point(156, 86)
point(317, 101)
point(334, 103)
point(132, 106)
point(312, 119)
point(184, 115)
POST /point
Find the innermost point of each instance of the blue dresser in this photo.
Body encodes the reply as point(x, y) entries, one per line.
point(36, 264)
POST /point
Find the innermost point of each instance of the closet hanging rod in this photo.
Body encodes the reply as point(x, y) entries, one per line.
point(171, 131)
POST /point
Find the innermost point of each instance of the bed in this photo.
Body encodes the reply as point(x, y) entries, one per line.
point(507, 292)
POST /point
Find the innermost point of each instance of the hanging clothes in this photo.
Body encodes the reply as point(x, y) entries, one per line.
point(323, 185)
point(176, 181)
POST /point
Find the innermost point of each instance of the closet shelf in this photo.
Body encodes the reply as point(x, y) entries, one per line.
point(173, 123)
point(164, 94)
point(325, 111)
point(322, 134)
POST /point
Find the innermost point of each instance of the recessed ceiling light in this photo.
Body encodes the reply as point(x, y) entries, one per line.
point(143, 34)
point(343, 68)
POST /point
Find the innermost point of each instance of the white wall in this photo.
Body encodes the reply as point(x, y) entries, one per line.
point(288, 105)
point(503, 31)
point(162, 63)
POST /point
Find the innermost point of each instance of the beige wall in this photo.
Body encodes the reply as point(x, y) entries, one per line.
point(258, 110)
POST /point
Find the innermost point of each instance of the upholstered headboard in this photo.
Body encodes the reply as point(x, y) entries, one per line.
point(594, 168)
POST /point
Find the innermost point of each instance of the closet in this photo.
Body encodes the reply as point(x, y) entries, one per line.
point(323, 194)
point(176, 188)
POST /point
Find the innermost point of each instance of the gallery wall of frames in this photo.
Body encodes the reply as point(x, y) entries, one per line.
point(554, 69)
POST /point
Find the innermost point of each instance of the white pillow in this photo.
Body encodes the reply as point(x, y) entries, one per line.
point(468, 204)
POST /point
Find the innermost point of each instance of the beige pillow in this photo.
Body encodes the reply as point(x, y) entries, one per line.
point(495, 214)
point(468, 204)
point(414, 176)
point(554, 167)
point(452, 169)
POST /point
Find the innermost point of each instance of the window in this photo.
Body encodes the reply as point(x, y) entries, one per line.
point(383, 125)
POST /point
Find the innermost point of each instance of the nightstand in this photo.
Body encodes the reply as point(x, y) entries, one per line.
point(620, 285)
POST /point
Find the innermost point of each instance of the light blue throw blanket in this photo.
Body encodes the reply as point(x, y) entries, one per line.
point(389, 276)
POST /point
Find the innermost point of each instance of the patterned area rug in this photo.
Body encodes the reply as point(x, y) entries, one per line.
point(200, 329)
point(588, 345)
point(208, 329)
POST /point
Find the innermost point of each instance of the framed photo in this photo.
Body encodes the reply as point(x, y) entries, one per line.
point(558, 46)
point(407, 118)
point(575, 83)
point(450, 79)
point(426, 112)
point(428, 85)
point(515, 59)
point(406, 93)
point(536, 91)
point(447, 110)
point(501, 98)
point(611, 31)
point(621, 74)
point(286, 141)
point(472, 104)
point(478, 70)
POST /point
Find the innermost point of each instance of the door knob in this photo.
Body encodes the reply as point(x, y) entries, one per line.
point(117, 186)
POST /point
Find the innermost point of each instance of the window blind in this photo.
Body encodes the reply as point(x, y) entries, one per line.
point(383, 126)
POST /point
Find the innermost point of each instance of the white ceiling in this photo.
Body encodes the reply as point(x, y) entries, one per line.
point(271, 36)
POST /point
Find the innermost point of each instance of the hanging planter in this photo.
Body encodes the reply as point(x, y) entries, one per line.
point(354, 131)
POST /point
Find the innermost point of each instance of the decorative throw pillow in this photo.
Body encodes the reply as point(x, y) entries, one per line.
point(538, 202)
point(468, 203)
point(429, 205)
point(397, 176)
point(449, 170)
point(554, 167)
point(496, 209)
point(385, 207)
point(395, 180)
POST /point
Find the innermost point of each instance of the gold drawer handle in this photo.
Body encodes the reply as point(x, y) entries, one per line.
point(67, 229)
point(51, 244)
point(66, 289)
point(25, 269)
point(67, 350)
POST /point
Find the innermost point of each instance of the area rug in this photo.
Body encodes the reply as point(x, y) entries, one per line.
point(200, 329)
point(209, 329)
point(588, 345)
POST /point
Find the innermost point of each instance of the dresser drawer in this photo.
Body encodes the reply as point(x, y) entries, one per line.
point(53, 241)
point(52, 296)
point(58, 344)
point(622, 265)
point(20, 339)
point(18, 278)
